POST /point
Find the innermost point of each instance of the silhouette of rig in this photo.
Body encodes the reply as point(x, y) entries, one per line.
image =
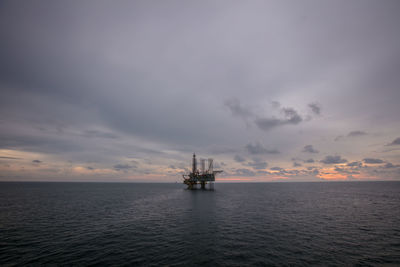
point(201, 177)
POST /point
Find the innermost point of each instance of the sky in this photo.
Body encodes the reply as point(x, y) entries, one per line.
point(271, 90)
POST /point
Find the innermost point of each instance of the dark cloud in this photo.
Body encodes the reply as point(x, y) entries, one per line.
point(373, 161)
point(296, 164)
point(89, 168)
point(356, 133)
point(309, 149)
point(3, 157)
point(36, 161)
point(333, 160)
point(290, 117)
point(390, 165)
point(267, 123)
point(257, 164)
point(346, 171)
point(338, 138)
point(120, 167)
point(258, 148)
point(276, 169)
point(395, 142)
point(315, 107)
point(354, 164)
point(237, 109)
point(309, 161)
point(239, 158)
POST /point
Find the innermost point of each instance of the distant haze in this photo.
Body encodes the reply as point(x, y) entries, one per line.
point(128, 90)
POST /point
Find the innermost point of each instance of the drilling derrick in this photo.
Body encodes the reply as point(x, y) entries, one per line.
point(202, 177)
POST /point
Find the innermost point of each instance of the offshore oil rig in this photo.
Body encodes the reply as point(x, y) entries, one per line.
point(201, 177)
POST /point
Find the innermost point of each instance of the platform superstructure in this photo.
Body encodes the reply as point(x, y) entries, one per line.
point(203, 176)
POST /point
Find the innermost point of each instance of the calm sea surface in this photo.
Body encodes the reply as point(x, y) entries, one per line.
point(353, 223)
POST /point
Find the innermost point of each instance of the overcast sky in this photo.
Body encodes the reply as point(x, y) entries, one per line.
point(128, 90)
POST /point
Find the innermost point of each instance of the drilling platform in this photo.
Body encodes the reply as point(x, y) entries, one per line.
point(201, 177)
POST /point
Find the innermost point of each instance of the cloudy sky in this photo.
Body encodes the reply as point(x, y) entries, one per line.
point(128, 90)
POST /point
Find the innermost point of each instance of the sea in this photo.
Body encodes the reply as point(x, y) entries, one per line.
point(237, 224)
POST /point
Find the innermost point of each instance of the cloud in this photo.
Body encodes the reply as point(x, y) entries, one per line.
point(4, 157)
point(354, 164)
point(244, 172)
point(351, 134)
point(309, 161)
point(373, 161)
point(275, 104)
point(258, 148)
point(296, 164)
point(346, 171)
point(395, 142)
point(276, 169)
point(315, 107)
point(390, 165)
point(120, 167)
point(257, 164)
point(356, 133)
point(338, 138)
point(238, 158)
point(99, 134)
point(237, 109)
point(36, 161)
point(333, 160)
point(309, 149)
point(290, 117)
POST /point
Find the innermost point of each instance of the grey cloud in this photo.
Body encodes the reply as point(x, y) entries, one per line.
point(244, 172)
point(346, 171)
point(354, 164)
point(258, 148)
point(291, 117)
point(89, 168)
point(36, 161)
point(333, 160)
point(237, 109)
point(373, 161)
point(267, 123)
point(395, 142)
point(309, 149)
point(315, 107)
point(338, 138)
point(99, 134)
point(263, 172)
point(276, 169)
point(390, 165)
point(275, 104)
point(4, 157)
point(120, 167)
point(257, 164)
point(356, 133)
point(309, 161)
point(238, 158)
point(296, 164)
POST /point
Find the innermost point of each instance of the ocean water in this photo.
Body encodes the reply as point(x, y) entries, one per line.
point(326, 223)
